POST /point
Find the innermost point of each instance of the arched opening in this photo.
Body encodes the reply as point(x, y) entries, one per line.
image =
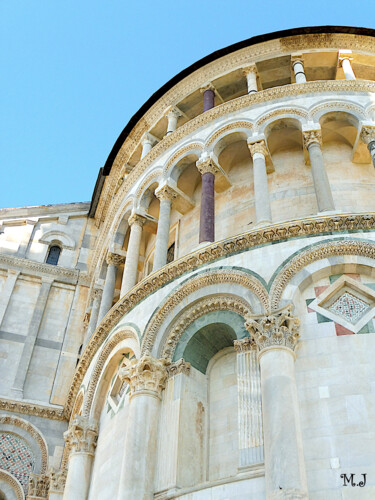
point(53, 255)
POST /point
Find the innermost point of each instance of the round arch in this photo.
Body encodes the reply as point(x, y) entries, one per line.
point(300, 115)
point(243, 127)
point(193, 148)
point(10, 487)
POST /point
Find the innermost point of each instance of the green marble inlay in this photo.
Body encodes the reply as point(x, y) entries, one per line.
point(334, 277)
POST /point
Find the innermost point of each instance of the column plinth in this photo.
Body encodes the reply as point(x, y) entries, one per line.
point(276, 337)
point(259, 152)
point(312, 142)
point(129, 277)
point(165, 194)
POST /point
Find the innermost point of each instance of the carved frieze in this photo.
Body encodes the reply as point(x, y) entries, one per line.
point(38, 486)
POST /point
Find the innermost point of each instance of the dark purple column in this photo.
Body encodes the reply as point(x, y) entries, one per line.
point(208, 99)
point(207, 216)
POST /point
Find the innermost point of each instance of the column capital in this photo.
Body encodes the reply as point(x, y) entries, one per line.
point(258, 147)
point(279, 329)
point(13, 272)
point(172, 111)
point(96, 293)
point(312, 137)
point(38, 486)
point(180, 366)
point(149, 138)
point(250, 69)
point(136, 219)
point(296, 58)
point(207, 86)
point(165, 192)
point(368, 134)
point(57, 479)
point(207, 164)
point(147, 374)
point(244, 345)
point(114, 259)
point(82, 435)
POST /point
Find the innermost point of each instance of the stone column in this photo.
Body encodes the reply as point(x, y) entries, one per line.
point(32, 334)
point(7, 291)
point(147, 143)
point(312, 141)
point(27, 237)
point(368, 137)
point(81, 437)
point(259, 152)
point(251, 77)
point(249, 403)
point(38, 486)
point(276, 337)
point(172, 116)
point(299, 71)
point(347, 68)
point(208, 97)
point(207, 167)
point(96, 299)
point(129, 277)
point(57, 480)
point(113, 261)
point(165, 194)
point(146, 378)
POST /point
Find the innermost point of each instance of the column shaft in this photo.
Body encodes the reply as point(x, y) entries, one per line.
point(129, 278)
point(28, 347)
point(251, 77)
point(108, 291)
point(78, 479)
point(348, 70)
point(207, 213)
point(208, 100)
point(162, 235)
point(371, 148)
point(94, 315)
point(262, 199)
point(321, 183)
point(299, 72)
point(6, 292)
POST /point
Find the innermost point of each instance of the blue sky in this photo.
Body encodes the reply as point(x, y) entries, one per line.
point(74, 72)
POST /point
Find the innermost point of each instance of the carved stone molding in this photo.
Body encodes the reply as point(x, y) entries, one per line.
point(178, 155)
point(206, 165)
point(166, 193)
point(107, 208)
point(258, 147)
point(260, 236)
point(38, 486)
point(227, 129)
point(115, 259)
point(277, 329)
point(180, 366)
point(311, 137)
point(145, 374)
point(32, 409)
point(57, 479)
point(215, 303)
point(281, 112)
point(82, 435)
point(16, 486)
point(136, 219)
point(245, 345)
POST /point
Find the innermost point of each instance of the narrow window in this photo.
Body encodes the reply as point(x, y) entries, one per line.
point(53, 255)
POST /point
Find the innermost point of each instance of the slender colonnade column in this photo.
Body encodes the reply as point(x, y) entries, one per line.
point(249, 403)
point(208, 97)
point(113, 261)
point(259, 152)
point(129, 278)
point(251, 77)
point(147, 143)
point(368, 137)
point(96, 296)
point(172, 116)
point(207, 168)
point(276, 337)
point(347, 68)
point(146, 378)
point(81, 437)
point(6, 292)
point(165, 194)
point(312, 141)
point(299, 71)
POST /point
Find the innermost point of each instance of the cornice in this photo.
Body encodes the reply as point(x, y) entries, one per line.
point(32, 409)
point(23, 265)
point(108, 206)
point(279, 232)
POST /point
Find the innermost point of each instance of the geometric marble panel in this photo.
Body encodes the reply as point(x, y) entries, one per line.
point(349, 307)
point(16, 458)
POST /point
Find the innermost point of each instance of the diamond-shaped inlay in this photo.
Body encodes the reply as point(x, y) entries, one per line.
point(16, 458)
point(349, 307)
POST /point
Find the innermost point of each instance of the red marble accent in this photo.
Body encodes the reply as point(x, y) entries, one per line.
point(319, 289)
point(207, 215)
point(354, 276)
point(310, 310)
point(208, 99)
point(341, 330)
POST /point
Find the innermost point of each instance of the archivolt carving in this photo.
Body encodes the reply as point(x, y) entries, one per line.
point(178, 155)
point(281, 112)
point(240, 125)
point(109, 207)
point(145, 184)
point(209, 278)
point(95, 376)
point(34, 433)
point(318, 111)
point(78, 403)
point(13, 483)
point(215, 303)
point(323, 251)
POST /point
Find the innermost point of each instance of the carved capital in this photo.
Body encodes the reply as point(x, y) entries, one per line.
point(148, 138)
point(57, 479)
point(38, 486)
point(368, 134)
point(82, 435)
point(245, 345)
point(312, 137)
point(86, 320)
point(206, 164)
point(250, 69)
point(145, 374)
point(258, 147)
point(207, 86)
point(180, 366)
point(296, 58)
point(277, 329)
point(173, 112)
point(166, 193)
point(97, 293)
point(136, 219)
point(115, 259)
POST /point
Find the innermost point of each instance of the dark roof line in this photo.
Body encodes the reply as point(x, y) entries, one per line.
point(309, 30)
